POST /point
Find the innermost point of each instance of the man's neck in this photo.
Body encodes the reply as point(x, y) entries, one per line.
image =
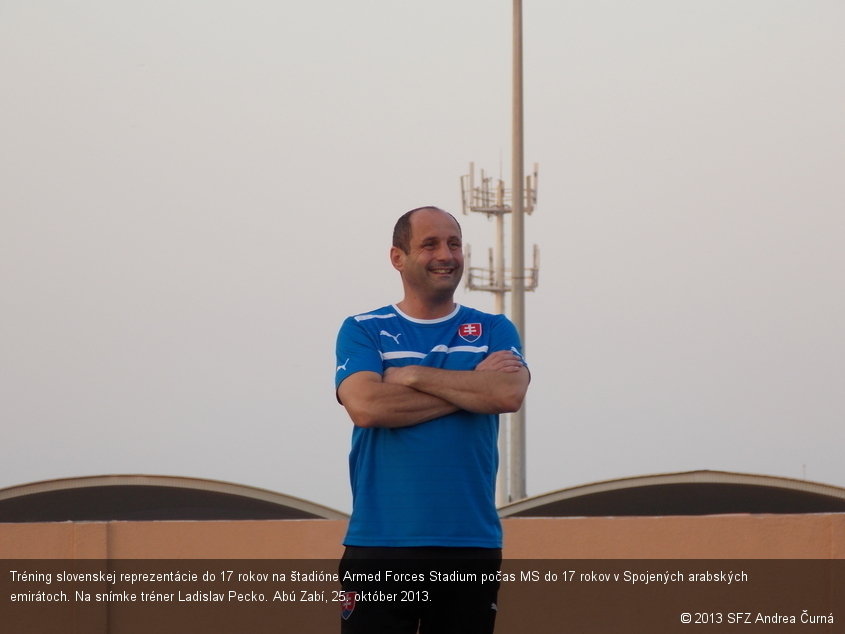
point(426, 310)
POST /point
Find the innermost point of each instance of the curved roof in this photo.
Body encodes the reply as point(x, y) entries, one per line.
point(688, 493)
point(150, 497)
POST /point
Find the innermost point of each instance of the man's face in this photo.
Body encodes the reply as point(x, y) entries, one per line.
point(435, 262)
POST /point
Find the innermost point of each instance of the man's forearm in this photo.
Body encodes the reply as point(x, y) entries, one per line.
point(373, 403)
point(402, 406)
point(489, 392)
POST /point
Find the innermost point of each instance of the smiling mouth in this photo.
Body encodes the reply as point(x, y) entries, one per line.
point(442, 270)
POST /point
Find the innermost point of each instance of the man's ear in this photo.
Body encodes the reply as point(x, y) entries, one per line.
point(397, 258)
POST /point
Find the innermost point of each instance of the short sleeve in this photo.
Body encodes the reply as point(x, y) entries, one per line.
point(504, 336)
point(355, 352)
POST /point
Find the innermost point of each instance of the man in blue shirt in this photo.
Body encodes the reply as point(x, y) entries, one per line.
point(423, 381)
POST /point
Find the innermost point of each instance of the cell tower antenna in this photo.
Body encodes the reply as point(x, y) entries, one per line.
point(484, 194)
point(490, 197)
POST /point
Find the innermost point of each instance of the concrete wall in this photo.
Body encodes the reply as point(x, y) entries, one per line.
point(587, 544)
point(724, 536)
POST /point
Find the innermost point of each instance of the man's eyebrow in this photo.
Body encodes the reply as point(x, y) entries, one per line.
point(434, 238)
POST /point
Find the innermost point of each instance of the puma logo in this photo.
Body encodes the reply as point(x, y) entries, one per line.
point(342, 367)
point(395, 338)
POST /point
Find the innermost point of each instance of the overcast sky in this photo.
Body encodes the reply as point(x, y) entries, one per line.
point(195, 193)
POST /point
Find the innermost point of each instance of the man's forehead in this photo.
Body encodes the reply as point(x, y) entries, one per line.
point(433, 222)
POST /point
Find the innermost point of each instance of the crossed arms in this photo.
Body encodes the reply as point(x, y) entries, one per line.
point(414, 394)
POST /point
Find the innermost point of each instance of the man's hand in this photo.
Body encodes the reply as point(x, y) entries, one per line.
point(501, 361)
point(399, 376)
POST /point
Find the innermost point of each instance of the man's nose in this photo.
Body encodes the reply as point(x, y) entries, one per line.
point(443, 252)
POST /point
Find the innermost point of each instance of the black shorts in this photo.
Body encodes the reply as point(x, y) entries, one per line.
point(430, 590)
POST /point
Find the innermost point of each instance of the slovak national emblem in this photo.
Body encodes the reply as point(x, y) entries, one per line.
point(348, 604)
point(470, 332)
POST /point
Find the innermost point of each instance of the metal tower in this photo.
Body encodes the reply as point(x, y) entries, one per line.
point(489, 196)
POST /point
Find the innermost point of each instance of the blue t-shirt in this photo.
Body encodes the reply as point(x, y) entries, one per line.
point(431, 484)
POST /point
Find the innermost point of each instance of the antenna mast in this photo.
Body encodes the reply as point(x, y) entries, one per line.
point(488, 195)
point(492, 199)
